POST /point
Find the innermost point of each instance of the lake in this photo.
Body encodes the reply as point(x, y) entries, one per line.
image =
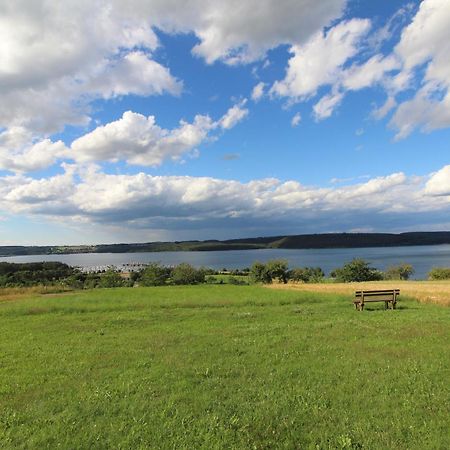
point(422, 258)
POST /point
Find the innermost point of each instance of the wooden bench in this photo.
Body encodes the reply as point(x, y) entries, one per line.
point(388, 296)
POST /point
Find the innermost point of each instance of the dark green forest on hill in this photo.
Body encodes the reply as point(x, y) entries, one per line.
point(301, 241)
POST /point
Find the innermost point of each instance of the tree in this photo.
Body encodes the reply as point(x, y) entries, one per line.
point(111, 278)
point(439, 273)
point(184, 273)
point(356, 270)
point(307, 274)
point(401, 272)
point(155, 275)
point(278, 270)
point(259, 273)
point(275, 269)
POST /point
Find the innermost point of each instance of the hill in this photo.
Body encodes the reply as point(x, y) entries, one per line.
point(301, 241)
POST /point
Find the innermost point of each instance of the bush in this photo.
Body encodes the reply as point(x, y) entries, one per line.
point(278, 270)
point(236, 281)
point(259, 273)
point(155, 275)
point(184, 273)
point(110, 279)
point(275, 269)
point(356, 270)
point(401, 272)
point(37, 273)
point(307, 274)
point(439, 273)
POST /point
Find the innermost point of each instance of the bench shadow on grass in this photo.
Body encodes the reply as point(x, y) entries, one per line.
point(398, 308)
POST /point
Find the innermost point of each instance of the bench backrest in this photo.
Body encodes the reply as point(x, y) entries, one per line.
point(378, 293)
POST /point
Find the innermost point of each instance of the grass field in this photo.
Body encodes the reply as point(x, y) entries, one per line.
point(437, 292)
point(222, 367)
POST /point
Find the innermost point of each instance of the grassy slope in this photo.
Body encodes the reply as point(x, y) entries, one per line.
point(222, 367)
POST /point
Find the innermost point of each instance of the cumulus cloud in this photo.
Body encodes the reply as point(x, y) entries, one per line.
point(373, 71)
point(326, 105)
point(56, 58)
point(425, 44)
point(135, 74)
point(439, 182)
point(138, 140)
point(234, 115)
point(240, 32)
point(258, 91)
point(180, 202)
point(320, 61)
point(17, 154)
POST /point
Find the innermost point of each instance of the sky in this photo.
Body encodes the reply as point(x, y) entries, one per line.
point(152, 120)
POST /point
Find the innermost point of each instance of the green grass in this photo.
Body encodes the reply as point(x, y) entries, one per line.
point(226, 367)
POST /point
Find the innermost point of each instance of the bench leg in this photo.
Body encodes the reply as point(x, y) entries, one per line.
point(386, 305)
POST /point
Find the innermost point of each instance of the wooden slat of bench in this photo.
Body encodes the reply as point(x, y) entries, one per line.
point(378, 299)
point(381, 291)
point(378, 294)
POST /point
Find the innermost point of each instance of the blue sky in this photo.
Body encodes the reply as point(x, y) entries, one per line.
point(155, 121)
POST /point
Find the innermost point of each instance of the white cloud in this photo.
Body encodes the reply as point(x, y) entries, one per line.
point(258, 91)
point(369, 73)
point(422, 111)
point(295, 121)
point(182, 202)
point(234, 115)
point(326, 105)
point(384, 109)
point(439, 182)
point(138, 140)
point(425, 42)
point(321, 60)
point(240, 32)
point(57, 57)
point(19, 155)
point(136, 74)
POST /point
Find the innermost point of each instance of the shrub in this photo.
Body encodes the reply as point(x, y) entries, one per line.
point(307, 274)
point(110, 279)
point(401, 272)
point(236, 281)
point(155, 275)
point(184, 273)
point(211, 279)
point(278, 269)
point(259, 273)
point(275, 269)
point(91, 281)
point(356, 270)
point(439, 273)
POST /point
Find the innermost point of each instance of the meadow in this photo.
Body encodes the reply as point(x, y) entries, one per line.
point(221, 366)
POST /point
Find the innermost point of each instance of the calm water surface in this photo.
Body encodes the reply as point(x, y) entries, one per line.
point(423, 258)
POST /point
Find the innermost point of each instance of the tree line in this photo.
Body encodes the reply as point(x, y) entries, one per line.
point(155, 274)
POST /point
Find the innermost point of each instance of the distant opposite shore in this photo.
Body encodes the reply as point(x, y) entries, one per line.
point(300, 241)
